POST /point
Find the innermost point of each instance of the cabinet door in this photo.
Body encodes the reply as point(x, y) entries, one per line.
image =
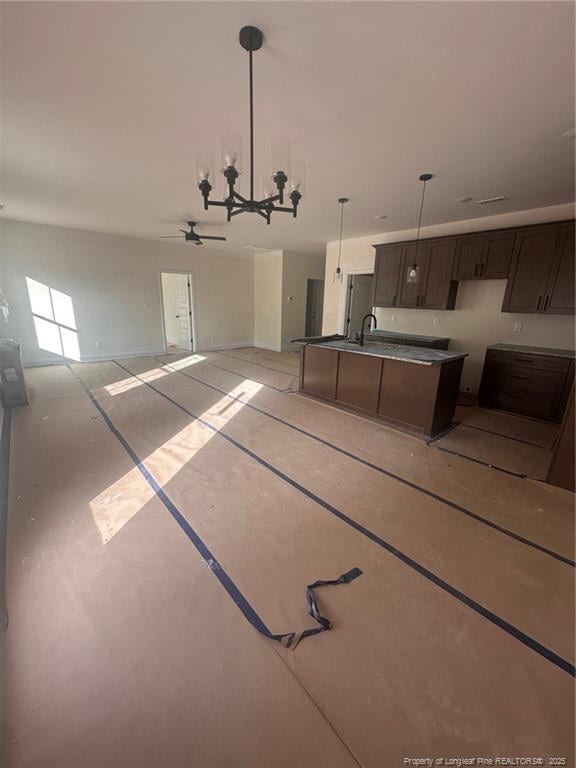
point(469, 251)
point(410, 293)
point(559, 298)
point(387, 274)
point(319, 371)
point(532, 262)
point(497, 255)
point(359, 381)
point(437, 288)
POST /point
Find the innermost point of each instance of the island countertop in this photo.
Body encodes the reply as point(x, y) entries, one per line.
point(385, 334)
point(418, 355)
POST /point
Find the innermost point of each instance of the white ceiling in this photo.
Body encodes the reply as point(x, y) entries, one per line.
point(104, 105)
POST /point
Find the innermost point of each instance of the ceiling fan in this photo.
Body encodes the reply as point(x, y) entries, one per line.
point(191, 236)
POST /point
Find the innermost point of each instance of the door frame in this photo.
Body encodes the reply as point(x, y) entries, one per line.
point(191, 300)
point(321, 318)
point(346, 275)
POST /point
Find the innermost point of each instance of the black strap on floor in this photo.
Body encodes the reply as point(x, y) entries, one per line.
point(292, 639)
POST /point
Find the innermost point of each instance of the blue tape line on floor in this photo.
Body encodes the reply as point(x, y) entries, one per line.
point(366, 463)
point(287, 639)
point(479, 461)
point(498, 621)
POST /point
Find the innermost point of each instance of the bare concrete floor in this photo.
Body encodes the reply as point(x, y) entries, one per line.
point(143, 520)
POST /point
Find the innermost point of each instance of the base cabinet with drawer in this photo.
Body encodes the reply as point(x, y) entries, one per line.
point(525, 383)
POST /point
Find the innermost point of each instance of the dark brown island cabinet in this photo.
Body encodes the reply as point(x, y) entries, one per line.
point(537, 261)
point(412, 388)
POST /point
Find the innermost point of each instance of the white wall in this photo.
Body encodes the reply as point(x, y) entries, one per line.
point(477, 321)
point(297, 268)
point(268, 300)
point(114, 286)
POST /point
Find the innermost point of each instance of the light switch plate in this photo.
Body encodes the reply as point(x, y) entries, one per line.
point(436, 321)
point(518, 327)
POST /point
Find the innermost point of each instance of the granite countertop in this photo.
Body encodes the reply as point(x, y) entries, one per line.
point(550, 351)
point(419, 355)
point(396, 335)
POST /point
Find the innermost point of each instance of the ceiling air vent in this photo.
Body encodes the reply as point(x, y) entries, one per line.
point(488, 200)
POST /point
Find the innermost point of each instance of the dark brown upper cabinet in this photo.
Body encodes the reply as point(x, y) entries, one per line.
point(538, 262)
point(485, 256)
point(534, 261)
point(439, 289)
point(434, 288)
point(497, 255)
point(468, 260)
point(559, 299)
point(387, 275)
point(410, 293)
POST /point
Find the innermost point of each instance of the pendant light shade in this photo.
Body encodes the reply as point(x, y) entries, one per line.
point(338, 276)
point(413, 274)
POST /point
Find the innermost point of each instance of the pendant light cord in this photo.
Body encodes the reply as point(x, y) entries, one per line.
point(415, 264)
point(251, 128)
point(341, 224)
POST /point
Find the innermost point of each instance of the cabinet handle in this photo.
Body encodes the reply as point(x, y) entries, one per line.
point(394, 299)
point(538, 304)
point(522, 378)
point(475, 270)
point(546, 300)
point(482, 268)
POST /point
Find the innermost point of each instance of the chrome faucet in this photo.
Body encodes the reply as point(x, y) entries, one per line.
point(361, 342)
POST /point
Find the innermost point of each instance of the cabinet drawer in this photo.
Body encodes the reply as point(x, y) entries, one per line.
point(539, 408)
point(540, 362)
point(522, 381)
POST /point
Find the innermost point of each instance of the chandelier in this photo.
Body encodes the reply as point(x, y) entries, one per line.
point(283, 174)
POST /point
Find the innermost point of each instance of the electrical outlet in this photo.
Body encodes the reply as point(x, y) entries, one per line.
point(393, 319)
point(517, 327)
point(98, 345)
point(436, 321)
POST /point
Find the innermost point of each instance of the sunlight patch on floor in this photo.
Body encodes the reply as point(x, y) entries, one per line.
point(120, 502)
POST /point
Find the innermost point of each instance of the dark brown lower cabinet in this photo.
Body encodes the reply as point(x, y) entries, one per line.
point(530, 385)
point(359, 381)
point(419, 397)
point(561, 470)
point(319, 371)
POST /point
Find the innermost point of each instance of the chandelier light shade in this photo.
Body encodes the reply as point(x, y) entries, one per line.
point(285, 179)
point(413, 274)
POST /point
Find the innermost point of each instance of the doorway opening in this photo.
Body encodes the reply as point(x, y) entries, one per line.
point(314, 306)
point(359, 298)
point(177, 312)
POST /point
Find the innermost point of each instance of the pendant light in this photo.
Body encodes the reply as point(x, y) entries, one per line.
point(338, 276)
point(413, 271)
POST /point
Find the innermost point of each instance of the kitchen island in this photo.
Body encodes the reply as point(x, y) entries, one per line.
point(413, 388)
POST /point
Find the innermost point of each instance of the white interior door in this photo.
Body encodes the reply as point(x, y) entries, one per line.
point(177, 305)
point(184, 314)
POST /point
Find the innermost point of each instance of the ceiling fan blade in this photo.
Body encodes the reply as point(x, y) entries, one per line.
point(212, 237)
point(185, 231)
point(169, 237)
point(198, 242)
